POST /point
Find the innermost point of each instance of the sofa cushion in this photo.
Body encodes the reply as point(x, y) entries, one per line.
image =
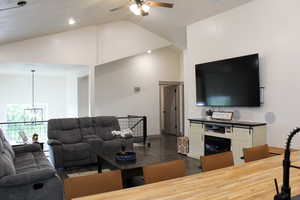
point(86, 122)
point(74, 152)
point(88, 131)
point(107, 121)
point(105, 133)
point(91, 137)
point(54, 124)
point(25, 162)
point(7, 167)
point(68, 136)
point(105, 125)
point(69, 124)
point(87, 126)
point(31, 161)
point(62, 124)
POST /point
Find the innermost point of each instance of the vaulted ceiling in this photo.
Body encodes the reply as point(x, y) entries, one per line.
point(41, 17)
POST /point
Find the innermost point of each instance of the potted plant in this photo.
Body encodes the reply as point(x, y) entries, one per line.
point(209, 113)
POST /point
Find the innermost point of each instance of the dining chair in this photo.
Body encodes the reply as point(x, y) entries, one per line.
point(216, 161)
point(164, 171)
point(92, 184)
point(256, 153)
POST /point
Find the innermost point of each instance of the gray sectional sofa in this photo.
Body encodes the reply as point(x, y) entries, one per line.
point(75, 141)
point(26, 174)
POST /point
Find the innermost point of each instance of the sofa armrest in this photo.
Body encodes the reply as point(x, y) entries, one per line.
point(52, 142)
point(56, 155)
point(27, 148)
point(27, 178)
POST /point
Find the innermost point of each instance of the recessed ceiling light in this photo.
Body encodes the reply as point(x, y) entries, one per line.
point(72, 21)
point(149, 51)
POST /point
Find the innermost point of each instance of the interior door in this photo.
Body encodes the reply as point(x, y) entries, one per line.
point(170, 110)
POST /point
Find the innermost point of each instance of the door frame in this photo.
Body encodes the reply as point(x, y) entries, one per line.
point(180, 118)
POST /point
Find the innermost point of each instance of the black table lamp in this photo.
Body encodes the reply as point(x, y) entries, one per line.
point(285, 193)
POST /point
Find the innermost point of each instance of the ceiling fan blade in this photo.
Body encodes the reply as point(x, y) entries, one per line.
point(19, 5)
point(160, 4)
point(120, 7)
point(3, 9)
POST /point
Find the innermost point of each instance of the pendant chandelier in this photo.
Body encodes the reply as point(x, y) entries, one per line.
point(33, 114)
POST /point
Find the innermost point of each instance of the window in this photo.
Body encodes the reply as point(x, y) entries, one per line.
point(20, 120)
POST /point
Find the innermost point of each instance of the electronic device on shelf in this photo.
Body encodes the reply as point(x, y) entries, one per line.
point(222, 129)
point(285, 193)
point(222, 115)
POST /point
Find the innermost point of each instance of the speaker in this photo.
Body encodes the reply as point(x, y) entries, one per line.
point(270, 117)
point(236, 115)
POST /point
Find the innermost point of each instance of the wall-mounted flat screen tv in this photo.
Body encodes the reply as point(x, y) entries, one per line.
point(229, 83)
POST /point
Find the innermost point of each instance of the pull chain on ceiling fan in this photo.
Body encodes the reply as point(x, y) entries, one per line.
point(142, 7)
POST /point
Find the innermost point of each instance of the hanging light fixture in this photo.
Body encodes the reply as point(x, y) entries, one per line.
point(139, 8)
point(146, 8)
point(34, 113)
point(135, 9)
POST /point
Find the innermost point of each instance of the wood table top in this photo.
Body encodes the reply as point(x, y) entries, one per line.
point(248, 181)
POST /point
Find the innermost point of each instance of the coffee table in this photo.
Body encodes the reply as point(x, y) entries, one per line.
point(131, 169)
point(142, 159)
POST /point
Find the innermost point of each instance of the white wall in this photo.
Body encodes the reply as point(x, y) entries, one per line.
point(71, 95)
point(88, 46)
point(124, 39)
point(269, 27)
point(71, 47)
point(83, 96)
point(85, 46)
point(51, 90)
point(115, 84)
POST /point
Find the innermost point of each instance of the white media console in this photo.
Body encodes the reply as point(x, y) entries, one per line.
point(215, 136)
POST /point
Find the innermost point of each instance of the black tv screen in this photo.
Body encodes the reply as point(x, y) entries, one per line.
point(230, 82)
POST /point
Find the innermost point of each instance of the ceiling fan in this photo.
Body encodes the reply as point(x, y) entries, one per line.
point(19, 5)
point(142, 7)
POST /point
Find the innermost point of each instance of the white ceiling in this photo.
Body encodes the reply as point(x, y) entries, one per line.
point(42, 17)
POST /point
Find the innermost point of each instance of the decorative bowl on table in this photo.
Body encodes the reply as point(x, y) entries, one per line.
point(126, 157)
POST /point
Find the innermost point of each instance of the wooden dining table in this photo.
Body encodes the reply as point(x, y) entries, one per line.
point(248, 181)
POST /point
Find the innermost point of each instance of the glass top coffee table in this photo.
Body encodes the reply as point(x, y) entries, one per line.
point(142, 159)
point(132, 169)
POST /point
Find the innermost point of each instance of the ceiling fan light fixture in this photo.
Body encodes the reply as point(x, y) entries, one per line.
point(146, 8)
point(135, 9)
